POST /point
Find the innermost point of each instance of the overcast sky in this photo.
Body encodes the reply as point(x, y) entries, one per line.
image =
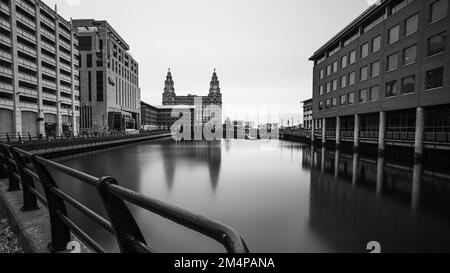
point(259, 47)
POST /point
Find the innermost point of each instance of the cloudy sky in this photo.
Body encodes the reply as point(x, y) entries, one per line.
point(259, 47)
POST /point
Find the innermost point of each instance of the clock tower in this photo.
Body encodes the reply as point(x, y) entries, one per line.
point(215, 84)
point(169, 96)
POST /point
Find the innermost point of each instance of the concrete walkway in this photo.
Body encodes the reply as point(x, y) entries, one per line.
point(8, 240)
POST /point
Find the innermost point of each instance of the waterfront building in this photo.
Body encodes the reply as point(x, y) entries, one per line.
point(149, 117)
point(110, 93)
point(165, 118)
point(307, 114)
point(212, 103)
point(385, 78)
point(39, 76)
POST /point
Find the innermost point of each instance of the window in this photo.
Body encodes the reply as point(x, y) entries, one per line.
point(353, 57)
point(335, 67)
point(333, 102)
point(374, 22)
point(329, 70)
point(392, 62)
point(89, 60)
point(320, 105)
point(351, 78)
point(363, 96)
point(321, 90)
point(321, 74)
point(374, 93)
point(391, 89)
point(435, 78)
point(399, 6)
point(343, 100)
point(436, 44)
point(394, 34)
point(375, 69)
point(328, 87)
point(410, 55)
point(85, 43)
point(335, 85)
point(344, 81)
point(376, 44)
point(344, 61)
point(408, 85)
point(90, 85)
point(364, 51)
point(363, 73)
point(99, 85)
point(438, 10)
point(412, 25)
point(328, 104)
point(351, 98)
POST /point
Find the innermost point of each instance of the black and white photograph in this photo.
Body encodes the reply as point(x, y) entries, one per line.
point(220, 135)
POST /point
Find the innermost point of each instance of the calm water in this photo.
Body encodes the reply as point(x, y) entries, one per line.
point(281, 196)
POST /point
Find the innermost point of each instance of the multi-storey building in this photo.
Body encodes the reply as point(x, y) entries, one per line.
point(110, 93)
point(307, 113)
point(385, 78)
point(212, 103)
point(149, 117)
point(39, 77)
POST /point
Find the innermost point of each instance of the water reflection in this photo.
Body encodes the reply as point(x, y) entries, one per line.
point(381, 201)
point(281, 196)
point(202, 153)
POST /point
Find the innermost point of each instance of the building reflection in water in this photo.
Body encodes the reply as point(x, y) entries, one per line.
point(202, 153)
point(405, 208)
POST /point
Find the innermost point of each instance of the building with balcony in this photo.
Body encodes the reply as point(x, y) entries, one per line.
point(39, 76)
point(385, 78)
point(110, 93)
point(307, 114)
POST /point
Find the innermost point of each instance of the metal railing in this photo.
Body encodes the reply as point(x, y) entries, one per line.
point(30, 138)
point(17, 165)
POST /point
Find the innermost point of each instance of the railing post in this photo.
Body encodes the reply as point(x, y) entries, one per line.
point(14, 183)
point(60, 232)
point(125, 227)
point(29, 200)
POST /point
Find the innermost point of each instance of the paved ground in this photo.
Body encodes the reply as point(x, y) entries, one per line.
point(8, 241)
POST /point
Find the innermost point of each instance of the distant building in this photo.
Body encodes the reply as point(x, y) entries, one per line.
point(165, 119)
point(110, 93)
point(213, 100)
point(149, 117)
point(39, 78)
point(307, 114)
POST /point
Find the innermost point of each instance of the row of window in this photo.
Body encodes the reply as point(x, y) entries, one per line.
point(411, 26)
point(437, 11)
point(435, 45)
point(407, 85)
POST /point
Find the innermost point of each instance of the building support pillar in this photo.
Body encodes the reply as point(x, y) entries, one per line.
point(324, 131)
point(420, 128)
point(338, 132)
point(382, 135)
point(417, 183)
point(356, 135)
